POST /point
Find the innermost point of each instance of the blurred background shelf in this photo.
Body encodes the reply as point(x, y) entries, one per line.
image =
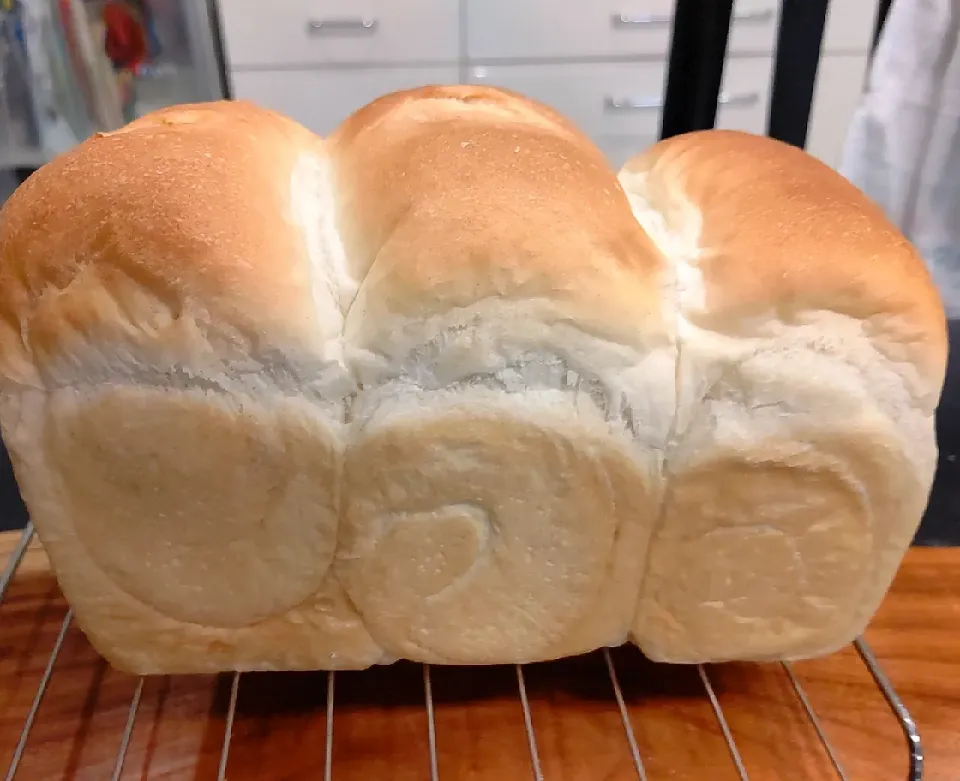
point(64, 66)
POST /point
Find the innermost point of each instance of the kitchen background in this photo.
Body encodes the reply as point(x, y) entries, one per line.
point(627, 71)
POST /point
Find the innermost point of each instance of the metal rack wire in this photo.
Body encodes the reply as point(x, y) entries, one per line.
point(899, 710)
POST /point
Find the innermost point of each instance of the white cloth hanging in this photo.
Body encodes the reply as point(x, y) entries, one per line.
point(903, 147)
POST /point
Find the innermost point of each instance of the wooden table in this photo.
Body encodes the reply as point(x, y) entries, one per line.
point(381, 723)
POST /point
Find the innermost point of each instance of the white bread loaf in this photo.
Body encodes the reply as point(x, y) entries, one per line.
point(432, 389)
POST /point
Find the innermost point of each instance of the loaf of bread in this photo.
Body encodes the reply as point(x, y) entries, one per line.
point(441, 387)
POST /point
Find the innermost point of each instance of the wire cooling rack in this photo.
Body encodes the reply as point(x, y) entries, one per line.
point(432, 771)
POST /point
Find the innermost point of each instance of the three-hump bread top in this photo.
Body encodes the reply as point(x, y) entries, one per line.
point(226, 235)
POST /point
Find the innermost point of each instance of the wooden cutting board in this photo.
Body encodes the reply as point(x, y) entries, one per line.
point(381, 724)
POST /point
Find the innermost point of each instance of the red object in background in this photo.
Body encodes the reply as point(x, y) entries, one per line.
point(126, 38)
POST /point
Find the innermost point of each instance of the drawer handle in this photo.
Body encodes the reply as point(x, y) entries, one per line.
point(334, 26)
point(646, 20)
point(738, 98)
point(664, 20)
point(753, 17)
point(632, 104)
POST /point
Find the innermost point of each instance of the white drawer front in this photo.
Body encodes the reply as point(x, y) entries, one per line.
point(321, 100)
point(618, 105)
point(602, 99)
point(753, 27)
point(305, 32)
point(567, 29)
point(744, 100)
point(840, 83)
point(850, 26)
point(619, 149)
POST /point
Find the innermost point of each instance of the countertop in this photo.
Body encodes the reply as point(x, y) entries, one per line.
point(380, 723)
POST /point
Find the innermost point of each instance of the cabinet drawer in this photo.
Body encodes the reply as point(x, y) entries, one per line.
point(532, 29)
point(849, 26)
point(321, 100)
point(529, 29)
point(618, 149)
point(316, 32)
point(604, 100)
point(618, 105)
point(753, 27)
point(744, 100)
point(840, 82)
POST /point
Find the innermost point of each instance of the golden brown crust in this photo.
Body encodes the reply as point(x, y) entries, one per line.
point(534, 374)
point(467, 193)
point(178, 215)
point(783, 235)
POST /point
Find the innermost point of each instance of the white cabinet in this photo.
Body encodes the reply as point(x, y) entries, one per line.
point(753, 27)
point(840, 82)
point(322, 99)
point(602, 64)
point(567, 29)
point(841, 76)
point(845, 53)
point(599, 97)
point(618, 105)
point(850, 26)
point(321, 32)
point(744, 100)
point(318, 61)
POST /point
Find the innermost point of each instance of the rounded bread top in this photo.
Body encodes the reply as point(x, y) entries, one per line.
point(449, 196)
point(185, 216)
point(776, 237)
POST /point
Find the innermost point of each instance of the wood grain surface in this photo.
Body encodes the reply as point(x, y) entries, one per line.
point(380, 724)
